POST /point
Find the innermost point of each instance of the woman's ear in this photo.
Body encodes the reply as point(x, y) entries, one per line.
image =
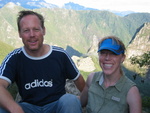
point(123, 58)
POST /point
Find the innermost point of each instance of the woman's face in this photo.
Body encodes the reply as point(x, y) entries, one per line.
point(110, 62)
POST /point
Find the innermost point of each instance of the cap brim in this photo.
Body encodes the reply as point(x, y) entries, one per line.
point(111, 45)
point(110, 49)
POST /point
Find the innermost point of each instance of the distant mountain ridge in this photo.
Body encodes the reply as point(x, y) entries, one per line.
point(28, 4)
point(37, 4)
point(79, 32)
point(74, 6)
point(73, 28)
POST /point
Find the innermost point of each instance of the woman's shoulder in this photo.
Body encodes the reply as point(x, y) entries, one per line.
point(91, 76)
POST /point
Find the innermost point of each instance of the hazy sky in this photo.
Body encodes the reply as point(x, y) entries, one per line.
point(117, 5)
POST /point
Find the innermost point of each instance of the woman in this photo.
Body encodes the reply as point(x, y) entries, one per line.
point(110, 91)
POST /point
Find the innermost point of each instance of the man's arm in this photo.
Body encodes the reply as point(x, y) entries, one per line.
point(80, 83)
point(134, 100)
point(84, 96)
point(6, 100)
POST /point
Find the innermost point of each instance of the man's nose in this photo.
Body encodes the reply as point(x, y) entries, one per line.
point(32, 33)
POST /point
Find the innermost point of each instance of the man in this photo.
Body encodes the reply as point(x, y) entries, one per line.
point(40, 72)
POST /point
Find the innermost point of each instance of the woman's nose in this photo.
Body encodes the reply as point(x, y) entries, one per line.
point(107, 57)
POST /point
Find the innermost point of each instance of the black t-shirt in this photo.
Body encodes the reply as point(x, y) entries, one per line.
point(40, 80)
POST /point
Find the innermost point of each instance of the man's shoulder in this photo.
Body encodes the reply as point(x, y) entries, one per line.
point(15, 52)
point(58, 49)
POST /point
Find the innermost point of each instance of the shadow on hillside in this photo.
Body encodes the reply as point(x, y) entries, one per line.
point(73, 52)
point(137, 31)
point(142, 83)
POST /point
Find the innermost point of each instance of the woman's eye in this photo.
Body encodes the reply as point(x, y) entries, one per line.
point(107, 53)
point(103, 53)
point(112, 53)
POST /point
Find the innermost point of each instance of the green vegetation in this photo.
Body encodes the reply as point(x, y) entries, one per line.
point(74, 28)
point(85, 74)
point(143, 60)
point(146, 101)
point(77, 29)
point(143, 63)
point(5, 49)
point(13, 90)
point(96, 64)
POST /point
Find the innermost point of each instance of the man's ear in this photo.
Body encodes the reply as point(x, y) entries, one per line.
point(44, 30)
point(19, 34)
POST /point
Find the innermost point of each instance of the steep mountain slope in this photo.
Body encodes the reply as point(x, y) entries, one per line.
point(8, 28)
point(137, 20)
point(138, 46)
point(141, 42)
point(4, 50)
point(72, 28)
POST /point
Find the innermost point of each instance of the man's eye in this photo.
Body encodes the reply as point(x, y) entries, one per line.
point(26, 30)
point(36, 29)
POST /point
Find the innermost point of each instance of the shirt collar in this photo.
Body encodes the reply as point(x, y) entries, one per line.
point(101, 80)
point(118, 85)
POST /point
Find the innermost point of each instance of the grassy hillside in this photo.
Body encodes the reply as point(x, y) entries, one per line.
point(73, 28)
point(5, 49)
point(103, 23)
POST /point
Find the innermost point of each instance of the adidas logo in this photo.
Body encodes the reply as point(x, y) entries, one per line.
point(37, 83)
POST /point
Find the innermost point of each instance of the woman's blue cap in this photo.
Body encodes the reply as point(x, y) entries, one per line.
point(112, 45)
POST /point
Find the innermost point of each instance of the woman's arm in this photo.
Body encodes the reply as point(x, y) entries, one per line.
point(134, 100)
point(84, 93)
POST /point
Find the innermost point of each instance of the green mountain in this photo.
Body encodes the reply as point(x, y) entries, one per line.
point(4, 50)
point(73, 28)
point(79, 32)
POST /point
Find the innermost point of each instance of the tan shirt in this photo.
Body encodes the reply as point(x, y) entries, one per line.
point(108, 100)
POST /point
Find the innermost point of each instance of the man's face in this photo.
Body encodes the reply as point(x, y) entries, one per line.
point(31, 32)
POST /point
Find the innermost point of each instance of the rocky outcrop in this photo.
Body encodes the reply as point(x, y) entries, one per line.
point(141, 42)
point(85, 64)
